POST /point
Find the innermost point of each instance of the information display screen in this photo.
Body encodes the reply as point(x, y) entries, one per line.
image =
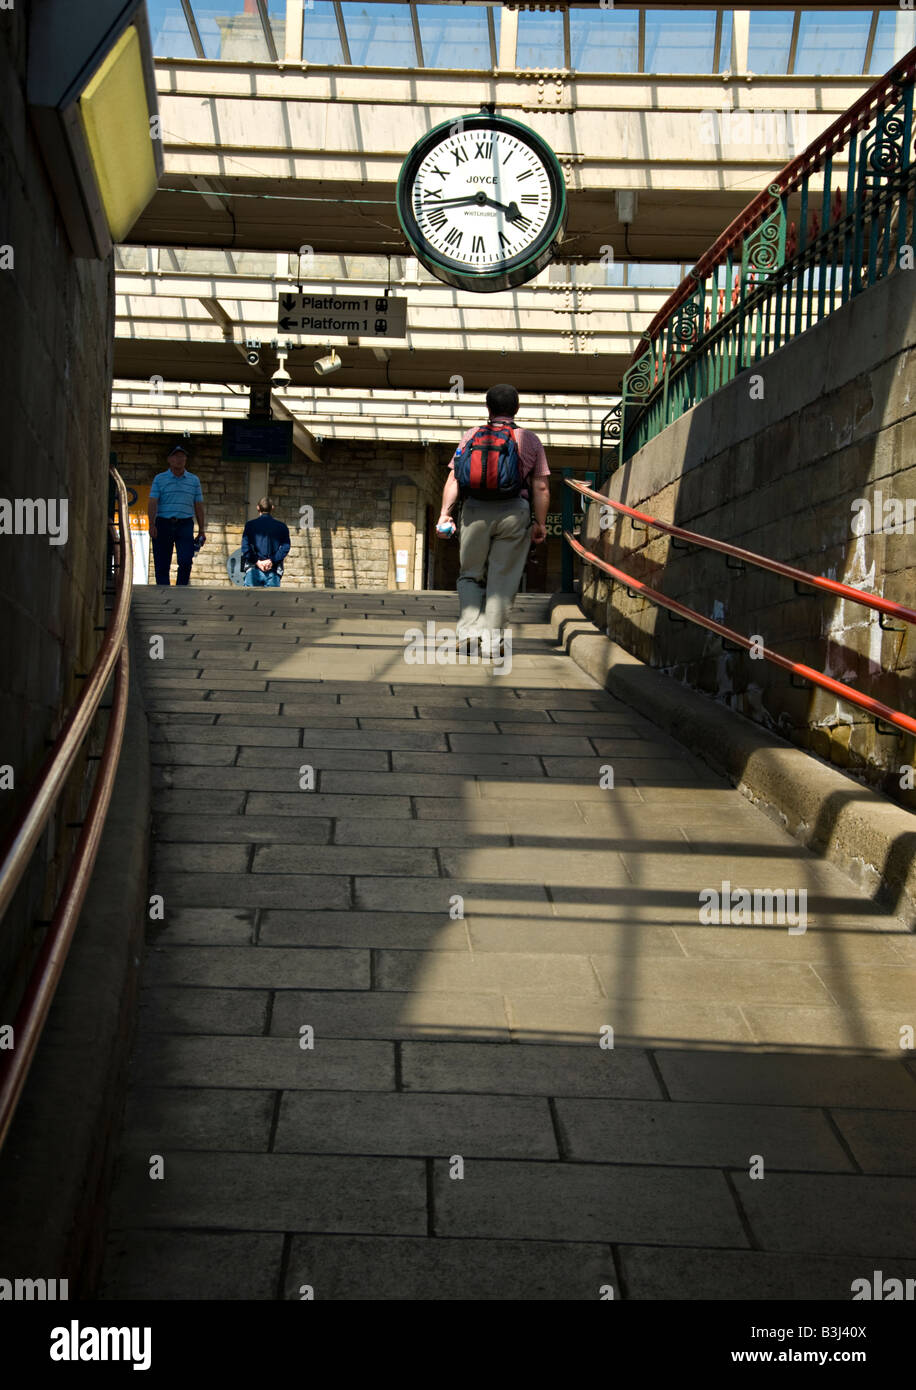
point(258, 441)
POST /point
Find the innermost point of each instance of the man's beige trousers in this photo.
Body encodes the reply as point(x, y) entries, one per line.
point(495, 537)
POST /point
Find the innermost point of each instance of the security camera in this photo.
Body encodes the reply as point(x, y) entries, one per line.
point(252, 358)
point(281, 377)
point(324, 365)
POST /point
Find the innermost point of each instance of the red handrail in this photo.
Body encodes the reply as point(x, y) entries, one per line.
point(816, 581)
point(43, 981)
point(843, 692)
point(788, 179)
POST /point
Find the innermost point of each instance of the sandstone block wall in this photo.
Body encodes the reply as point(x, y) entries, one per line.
point(779, 476)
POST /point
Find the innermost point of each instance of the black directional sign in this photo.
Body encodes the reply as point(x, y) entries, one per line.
point(347, 315)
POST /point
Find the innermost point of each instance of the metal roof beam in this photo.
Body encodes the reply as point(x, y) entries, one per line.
point(193, 29)
point(342, 32)
point(417, 39)
point(267, 31)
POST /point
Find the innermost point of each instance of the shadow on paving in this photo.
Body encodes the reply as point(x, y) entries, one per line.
point(450, 1025)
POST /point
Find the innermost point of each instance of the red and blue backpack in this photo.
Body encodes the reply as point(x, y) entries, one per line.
point(487, 467)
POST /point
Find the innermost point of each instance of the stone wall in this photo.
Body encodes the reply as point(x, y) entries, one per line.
point(779, 476)
point(56, 346)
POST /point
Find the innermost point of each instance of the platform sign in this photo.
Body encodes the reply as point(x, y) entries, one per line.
point(348, 315)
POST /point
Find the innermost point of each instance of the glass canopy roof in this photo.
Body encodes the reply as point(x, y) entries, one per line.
point(619, 39)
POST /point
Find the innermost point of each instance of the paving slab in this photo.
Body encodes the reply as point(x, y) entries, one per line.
point(262, 967)
point(685, 1134)
point(266, 1063)
point(635, 1022)
point(881, 1141)
point(288, 761)
point(788, 1079)
point(422, 1125)
point(185, 1009)
point(831, 1215)
point(752, 1276)
point(165, 1120)
point(568, 1201)
point(404, 931)
point(204, 926)
point(207, 858)
point(275, 1192)
point(539, 1071)
point(191, 754)
point(190, 1265)
point(371, 1268)
point(251, 829)
point(439, 895)
point(341, 859)
point(491, 973)
point(391, 1015)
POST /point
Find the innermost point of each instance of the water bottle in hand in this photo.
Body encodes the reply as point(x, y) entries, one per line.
point(446, 528)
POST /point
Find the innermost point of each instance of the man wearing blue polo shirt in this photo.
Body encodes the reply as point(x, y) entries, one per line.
point(175, 498)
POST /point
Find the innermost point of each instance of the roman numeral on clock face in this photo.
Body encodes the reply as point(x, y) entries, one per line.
point(503, 240)
point(437, 219)
point(460, 155)
point(526, 174)
point(454, 238)
point(443, 173)
point(477, 245)
point(484, 148)
point(523, 223)
point(525, 198)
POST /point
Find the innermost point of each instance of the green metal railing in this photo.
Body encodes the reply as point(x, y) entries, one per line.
point(799, 251)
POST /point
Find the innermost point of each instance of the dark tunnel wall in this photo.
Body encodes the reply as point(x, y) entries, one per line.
point(58, 314)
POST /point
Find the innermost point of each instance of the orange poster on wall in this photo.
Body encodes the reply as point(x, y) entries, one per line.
point(137, 503)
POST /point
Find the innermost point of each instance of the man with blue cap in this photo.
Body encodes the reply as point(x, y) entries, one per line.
point(175, 498)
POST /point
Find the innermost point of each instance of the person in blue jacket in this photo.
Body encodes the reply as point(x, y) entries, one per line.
point(265, 545)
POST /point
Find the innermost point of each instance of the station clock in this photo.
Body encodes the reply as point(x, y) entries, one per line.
point(482, 202)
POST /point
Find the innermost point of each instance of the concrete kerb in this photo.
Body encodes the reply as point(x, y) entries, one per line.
point(864, 834)
point(56, 1166)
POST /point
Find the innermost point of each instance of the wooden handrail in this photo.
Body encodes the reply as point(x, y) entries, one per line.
point(112, 658)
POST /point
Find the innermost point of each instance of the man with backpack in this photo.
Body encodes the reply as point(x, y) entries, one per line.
point(500, 473)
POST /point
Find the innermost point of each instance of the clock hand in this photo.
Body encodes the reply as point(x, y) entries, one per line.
point(511, 210)
point(449, 202)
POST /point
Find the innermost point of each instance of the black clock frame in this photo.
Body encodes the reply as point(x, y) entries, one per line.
point(519, 269)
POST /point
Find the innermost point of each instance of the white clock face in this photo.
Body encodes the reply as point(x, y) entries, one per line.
point(481, 198)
